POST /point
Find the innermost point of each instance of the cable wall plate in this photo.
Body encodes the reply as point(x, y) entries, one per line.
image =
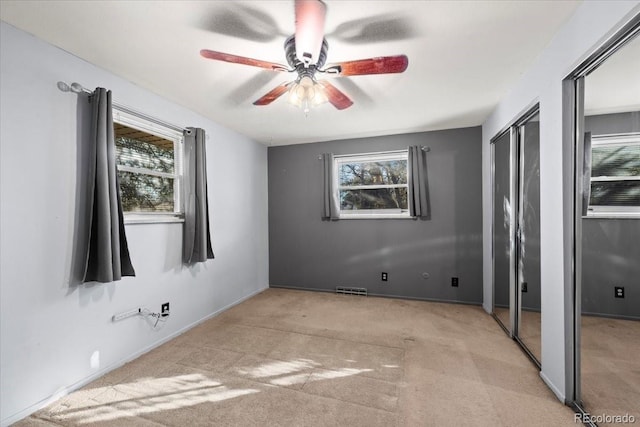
point(125, 314)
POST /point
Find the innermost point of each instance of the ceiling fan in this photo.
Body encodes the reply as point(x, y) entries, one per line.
point(306, 53)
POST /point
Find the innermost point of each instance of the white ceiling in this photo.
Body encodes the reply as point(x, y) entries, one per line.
point(463, 57)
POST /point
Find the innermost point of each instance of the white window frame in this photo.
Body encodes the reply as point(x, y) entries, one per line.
point(137, 122)
point(614, 211)
point(365, 158)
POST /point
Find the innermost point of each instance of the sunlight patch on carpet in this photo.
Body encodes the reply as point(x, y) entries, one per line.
point(297, 371)
point(149, 396)
point(278, 368)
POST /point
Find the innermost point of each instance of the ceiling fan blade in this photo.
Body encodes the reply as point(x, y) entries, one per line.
point(235, 59)
point(274, 94)
point(240, 21)
point(379, 65)
point(335, 96)
point(310, 16)
point(375, 29)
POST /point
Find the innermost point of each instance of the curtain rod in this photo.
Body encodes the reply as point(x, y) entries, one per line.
point(78, 88)
point(423, 148)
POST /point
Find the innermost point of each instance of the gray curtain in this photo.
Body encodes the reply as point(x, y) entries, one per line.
point(107, 256)
point(196, 241)
point(586, 173)
point(418, 183)
point(329, 199)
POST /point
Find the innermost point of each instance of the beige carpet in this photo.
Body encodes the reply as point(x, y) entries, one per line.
point(530, 327)
point(611, 367)
point(502, 313)
point(295, 358)
point(610, 362)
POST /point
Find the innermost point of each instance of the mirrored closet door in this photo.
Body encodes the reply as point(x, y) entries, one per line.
point(516, 231)
point(528, 330)
point(607, 234)
point(503, 249)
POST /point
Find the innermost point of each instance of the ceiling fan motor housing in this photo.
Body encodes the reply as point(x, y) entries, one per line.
point(299, 66)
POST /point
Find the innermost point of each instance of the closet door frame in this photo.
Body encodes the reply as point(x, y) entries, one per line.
point(573, 141)
point(512, 233)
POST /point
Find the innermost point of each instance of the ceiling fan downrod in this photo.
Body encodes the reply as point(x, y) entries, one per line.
point(304, 68)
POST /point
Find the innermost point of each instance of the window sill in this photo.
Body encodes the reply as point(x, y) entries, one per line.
point(379, 216)
point(152, 218)
point(612, 215)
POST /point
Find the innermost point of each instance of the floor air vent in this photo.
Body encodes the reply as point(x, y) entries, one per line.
point(348, 290)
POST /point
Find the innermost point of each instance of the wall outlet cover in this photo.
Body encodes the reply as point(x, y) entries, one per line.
point(619, 291)
point(384, 276)
point(454, 282)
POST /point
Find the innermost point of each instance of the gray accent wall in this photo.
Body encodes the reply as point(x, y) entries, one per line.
point(309, 253)
point(611, 247)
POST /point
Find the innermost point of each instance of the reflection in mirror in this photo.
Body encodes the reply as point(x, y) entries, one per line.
point(502, 211)
point(610, 264)
point(529, 237)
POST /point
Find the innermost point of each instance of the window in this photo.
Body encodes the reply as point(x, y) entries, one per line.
point(149, 161)
point(615, 174)
point(372, 185)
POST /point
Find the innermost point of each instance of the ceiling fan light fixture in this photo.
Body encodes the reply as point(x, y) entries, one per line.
point(307, 93)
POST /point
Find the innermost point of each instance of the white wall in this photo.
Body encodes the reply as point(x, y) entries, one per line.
point(592, 23)
point(49, 329)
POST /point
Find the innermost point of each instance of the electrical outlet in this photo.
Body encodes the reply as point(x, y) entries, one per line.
point(524, 287)
point(454, 282)
point(619, 290)
point(384, 276)
point(164, 310)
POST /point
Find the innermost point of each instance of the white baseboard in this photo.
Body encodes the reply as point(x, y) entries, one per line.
point(79, 384)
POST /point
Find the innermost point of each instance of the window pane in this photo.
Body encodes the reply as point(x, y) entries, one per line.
point(615, 193)
point(145, 193)
point(616, 160)
point(139, 149)
point(383, 198)
point(385, 172)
